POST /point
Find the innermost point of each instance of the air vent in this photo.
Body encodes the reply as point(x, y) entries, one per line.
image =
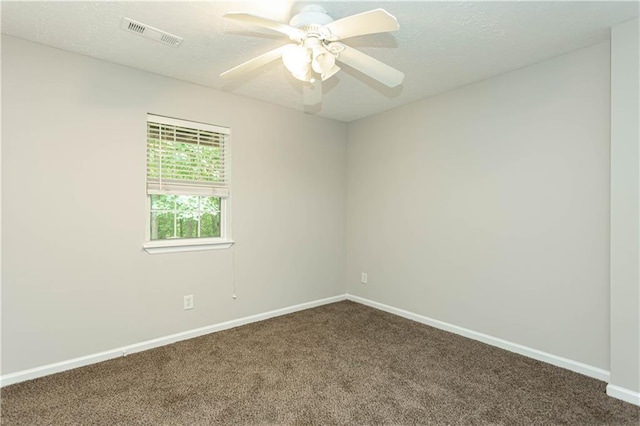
point(148, 31)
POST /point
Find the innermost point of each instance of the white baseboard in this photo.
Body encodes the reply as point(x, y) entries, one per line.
point(576, 366)
point(623, 394)
point(58, 367)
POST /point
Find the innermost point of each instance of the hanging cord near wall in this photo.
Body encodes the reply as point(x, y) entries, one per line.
point(233, 272)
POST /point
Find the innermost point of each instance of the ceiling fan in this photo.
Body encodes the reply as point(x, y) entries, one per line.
point(315, 47)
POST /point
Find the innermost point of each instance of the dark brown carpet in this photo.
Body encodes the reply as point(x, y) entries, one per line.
point(338, 364)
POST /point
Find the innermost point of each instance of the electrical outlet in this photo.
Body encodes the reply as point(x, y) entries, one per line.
point(364, 278)
point(188, 302)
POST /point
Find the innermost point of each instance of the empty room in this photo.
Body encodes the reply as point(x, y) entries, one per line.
point(328, 212)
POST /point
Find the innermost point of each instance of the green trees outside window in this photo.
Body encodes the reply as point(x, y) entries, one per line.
point(184, 216)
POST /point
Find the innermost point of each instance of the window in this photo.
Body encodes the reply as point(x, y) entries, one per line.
point(187, 185)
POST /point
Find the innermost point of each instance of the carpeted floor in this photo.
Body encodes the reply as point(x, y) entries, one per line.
point(342, 363)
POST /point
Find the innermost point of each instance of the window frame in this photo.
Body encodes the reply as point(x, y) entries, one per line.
point(172, 245)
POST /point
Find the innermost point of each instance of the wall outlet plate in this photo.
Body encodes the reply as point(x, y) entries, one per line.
point(364, 278)
point(188, 302)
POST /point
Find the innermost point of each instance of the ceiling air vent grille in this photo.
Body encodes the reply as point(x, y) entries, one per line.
point(136, 27)
point(148, 31)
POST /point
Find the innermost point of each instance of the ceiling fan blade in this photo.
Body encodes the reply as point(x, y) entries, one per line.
point(330, 73)
point(373, 21)
point(312, 93)
point(254, 63)
point(370, 66)
point(258, 21)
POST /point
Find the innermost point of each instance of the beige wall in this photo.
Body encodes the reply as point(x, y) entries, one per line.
point(487, 207)
point(625, 210)
point(75, 279)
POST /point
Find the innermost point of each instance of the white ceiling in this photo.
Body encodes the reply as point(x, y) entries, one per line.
point(440, 45)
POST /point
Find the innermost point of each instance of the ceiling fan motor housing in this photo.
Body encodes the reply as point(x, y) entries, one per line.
point(309, 16)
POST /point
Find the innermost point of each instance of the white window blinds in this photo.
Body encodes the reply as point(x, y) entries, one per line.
point(186, 158)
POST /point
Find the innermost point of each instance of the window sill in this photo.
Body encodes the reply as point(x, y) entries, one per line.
point(189, 244)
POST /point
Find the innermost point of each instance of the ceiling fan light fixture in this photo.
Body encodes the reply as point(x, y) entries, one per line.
point(305, 76)
point(297, 59)
point(323, 61)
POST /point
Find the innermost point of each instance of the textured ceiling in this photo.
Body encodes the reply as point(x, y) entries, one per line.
point(440, 45)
